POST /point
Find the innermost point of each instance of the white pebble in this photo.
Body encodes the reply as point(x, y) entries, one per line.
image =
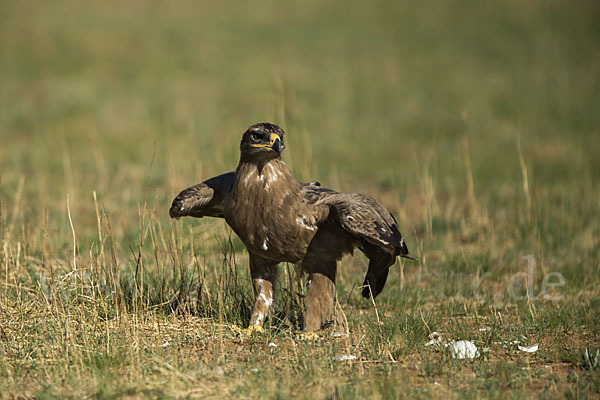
point(530, 349)
point(462, 349)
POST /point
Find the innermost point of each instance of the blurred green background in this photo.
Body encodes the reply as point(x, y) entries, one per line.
point(475, 122)
point(136, 100)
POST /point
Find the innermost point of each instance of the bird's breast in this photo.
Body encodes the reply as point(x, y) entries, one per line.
point(265, 211)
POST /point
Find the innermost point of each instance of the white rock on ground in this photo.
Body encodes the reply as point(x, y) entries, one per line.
point(530, 349)
point(462, 349)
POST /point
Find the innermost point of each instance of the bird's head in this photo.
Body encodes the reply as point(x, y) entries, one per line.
point(263, 140)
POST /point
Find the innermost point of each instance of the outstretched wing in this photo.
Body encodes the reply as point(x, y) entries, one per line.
point(375, 227)
point(204, 199)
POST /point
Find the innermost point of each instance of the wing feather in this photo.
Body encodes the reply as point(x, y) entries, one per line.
point(363, 216)
point(204, 199)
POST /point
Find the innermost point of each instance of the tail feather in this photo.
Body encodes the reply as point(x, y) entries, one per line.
point(374, 283)
point(380, 261)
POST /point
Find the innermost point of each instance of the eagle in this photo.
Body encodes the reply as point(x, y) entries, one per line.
point(280, 219)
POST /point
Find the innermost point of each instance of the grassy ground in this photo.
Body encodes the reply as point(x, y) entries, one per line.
point(475, 122)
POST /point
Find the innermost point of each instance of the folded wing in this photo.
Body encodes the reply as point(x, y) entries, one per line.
point(363, 216)
point(375, 227)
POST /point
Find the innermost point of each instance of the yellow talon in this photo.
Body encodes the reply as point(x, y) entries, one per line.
point(253, 329)
point(249, 331)
point(309, 335)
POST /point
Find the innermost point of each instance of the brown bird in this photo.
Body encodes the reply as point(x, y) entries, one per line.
point(282, 220)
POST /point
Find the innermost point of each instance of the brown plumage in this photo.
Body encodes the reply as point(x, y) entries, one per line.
point(282, 220)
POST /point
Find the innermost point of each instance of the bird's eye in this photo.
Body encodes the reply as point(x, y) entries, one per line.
point(255, 136)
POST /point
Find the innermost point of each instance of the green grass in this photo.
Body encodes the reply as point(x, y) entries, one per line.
point(476, 123)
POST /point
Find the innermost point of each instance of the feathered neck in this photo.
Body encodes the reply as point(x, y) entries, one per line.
point(266, 172)
point(258, 160)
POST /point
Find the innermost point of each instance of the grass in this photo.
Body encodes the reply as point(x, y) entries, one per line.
point(475, 123)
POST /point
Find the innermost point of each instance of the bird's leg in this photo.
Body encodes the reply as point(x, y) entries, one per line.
point(318, 305)
point(264, 276)
point(263, 292)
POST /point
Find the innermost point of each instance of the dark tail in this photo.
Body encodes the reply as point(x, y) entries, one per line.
point(374, 283)
point(380, 262)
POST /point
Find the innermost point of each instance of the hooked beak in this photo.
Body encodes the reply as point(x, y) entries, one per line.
point(274, 144)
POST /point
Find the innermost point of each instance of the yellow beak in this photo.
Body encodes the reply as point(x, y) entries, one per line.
point(274, 137)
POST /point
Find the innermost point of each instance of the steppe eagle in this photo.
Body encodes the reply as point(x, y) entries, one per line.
point(282, 220)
